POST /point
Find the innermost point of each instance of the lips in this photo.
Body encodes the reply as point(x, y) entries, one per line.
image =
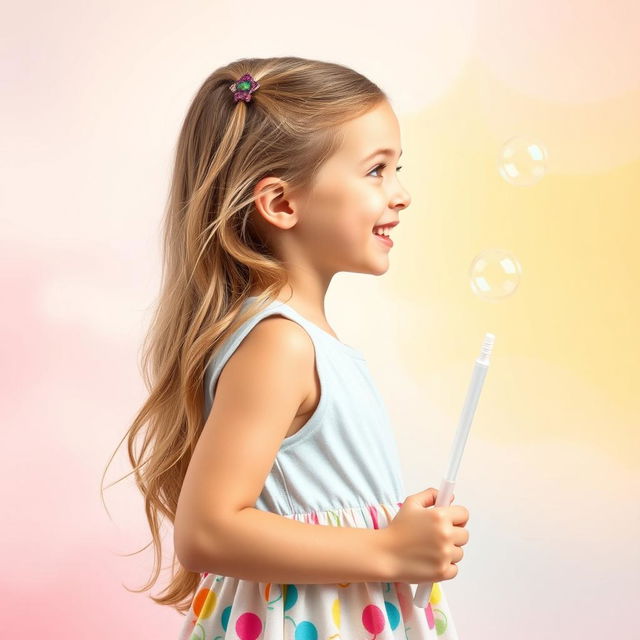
point(386, 225)
point(386, 241)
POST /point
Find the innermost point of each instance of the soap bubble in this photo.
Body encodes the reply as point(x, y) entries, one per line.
point(494, 274)
point(522, 161)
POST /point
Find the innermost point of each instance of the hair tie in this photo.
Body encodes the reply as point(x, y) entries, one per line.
point(243, 88)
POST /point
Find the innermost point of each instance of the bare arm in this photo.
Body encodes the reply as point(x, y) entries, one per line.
point(217, 527)
point(266, 547)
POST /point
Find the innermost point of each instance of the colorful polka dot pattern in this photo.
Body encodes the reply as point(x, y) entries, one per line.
point(225, 607)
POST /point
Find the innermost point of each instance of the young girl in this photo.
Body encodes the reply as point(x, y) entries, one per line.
point(268, 444)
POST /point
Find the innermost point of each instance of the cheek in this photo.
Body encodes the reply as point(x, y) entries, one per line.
point(345, 216)
point(372, 204)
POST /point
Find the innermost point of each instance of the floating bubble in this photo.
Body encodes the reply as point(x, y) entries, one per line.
point(494, 274)
point(522, 161)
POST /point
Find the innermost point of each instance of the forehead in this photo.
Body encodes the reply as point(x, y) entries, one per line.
point(376, 129)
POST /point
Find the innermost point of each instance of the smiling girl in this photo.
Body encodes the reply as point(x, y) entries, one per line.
point(267, 444)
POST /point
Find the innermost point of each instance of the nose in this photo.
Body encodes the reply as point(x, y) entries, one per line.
point(401, 199)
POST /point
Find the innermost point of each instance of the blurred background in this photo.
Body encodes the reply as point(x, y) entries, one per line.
point(94, 95)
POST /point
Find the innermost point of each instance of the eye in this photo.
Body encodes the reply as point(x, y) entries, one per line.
point(380, 167)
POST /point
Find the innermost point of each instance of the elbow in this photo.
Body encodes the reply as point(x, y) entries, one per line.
point(185, 553)
point(194, 550)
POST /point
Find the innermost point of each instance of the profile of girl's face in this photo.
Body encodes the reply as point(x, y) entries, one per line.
point(353, 193)
point(331, 225)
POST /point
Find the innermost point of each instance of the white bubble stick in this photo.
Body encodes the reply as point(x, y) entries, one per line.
point(423, 592)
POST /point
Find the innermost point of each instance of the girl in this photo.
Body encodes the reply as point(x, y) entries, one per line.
point(261, 423)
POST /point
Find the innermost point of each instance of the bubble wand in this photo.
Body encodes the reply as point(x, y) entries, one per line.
point(423, 592)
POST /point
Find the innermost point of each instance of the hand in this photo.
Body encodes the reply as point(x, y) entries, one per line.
point(423, 544)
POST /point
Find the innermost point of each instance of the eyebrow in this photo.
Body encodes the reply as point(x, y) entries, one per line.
point(388, 152)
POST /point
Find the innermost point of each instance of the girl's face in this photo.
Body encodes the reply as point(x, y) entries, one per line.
point(352, 194)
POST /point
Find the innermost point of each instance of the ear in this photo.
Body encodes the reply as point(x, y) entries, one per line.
point(274, 204)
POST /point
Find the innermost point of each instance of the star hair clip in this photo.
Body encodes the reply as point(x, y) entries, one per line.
point(244, 87)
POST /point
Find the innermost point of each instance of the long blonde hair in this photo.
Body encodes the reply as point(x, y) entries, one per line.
point(213, 256)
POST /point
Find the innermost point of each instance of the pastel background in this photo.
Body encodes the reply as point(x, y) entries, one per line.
point(93, 97)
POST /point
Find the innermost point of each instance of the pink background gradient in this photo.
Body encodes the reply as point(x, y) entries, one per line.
point(94, 97)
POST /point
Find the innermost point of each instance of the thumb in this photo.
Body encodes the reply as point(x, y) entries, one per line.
point(428, 497)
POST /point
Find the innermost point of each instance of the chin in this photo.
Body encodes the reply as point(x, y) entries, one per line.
point(372, 270)
point(382, 270)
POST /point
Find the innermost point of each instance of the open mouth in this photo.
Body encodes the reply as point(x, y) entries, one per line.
point(381, 233)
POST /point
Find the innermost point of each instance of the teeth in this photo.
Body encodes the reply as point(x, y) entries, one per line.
point(381, 232)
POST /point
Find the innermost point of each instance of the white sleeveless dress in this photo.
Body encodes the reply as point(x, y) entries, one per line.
point(340, 469)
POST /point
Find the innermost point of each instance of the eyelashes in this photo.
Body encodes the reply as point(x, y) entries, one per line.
point(380, 167)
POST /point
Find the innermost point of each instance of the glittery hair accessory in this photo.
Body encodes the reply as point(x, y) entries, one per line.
point(243, 88)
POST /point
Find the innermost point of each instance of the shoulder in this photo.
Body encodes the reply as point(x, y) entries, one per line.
point(278, 335)
point(278, 351)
